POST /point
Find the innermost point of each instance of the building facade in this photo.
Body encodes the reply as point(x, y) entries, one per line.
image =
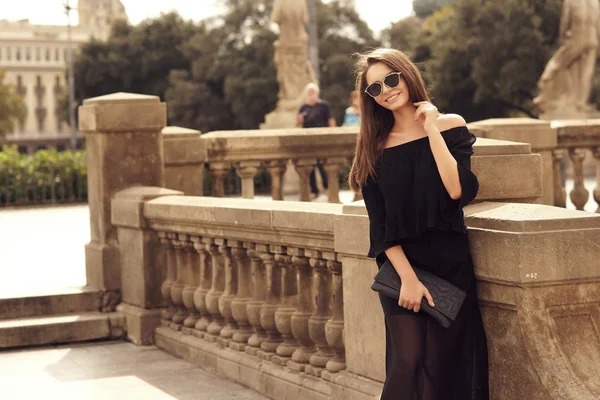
point(34, 58)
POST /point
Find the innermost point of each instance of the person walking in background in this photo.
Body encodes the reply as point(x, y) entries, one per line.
point(315, 113)
point(352, 115)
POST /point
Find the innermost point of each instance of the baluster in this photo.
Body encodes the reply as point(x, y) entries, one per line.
point(259, 294)
point(316, 324)
point(301, 316)
point(334, 329)
point(231, 281)
point(247, 170)
point(596, 153)
point(276, 169)
point(216, 290)
point(217, 173)
point(579, 195)
point(240, 260)
point(272, 302)
point(192, 278)
point(560, 195)
point(204, 285)
point(289, 304)
point(332, 167)
point(179, 284)
point(168, 313)
point(304, 168)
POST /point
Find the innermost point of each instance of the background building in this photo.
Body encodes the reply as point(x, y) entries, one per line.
point(34, 58)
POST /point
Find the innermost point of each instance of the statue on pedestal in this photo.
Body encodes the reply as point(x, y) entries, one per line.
point(566, 83)
point(294, 70)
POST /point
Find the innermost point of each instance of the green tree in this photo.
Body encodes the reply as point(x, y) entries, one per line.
point(12, 108)
point(424, 8)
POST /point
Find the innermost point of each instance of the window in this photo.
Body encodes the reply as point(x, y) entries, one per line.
point(57, 55)
point(66, 54)
point(47, 54)
point(18, 54)
point(1, 53)
point(27, 54)
point(38, 54)
point(8, 53)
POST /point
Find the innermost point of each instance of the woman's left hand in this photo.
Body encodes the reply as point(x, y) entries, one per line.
point(428, 114)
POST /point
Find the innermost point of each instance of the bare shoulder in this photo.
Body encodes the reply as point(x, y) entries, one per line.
point(450, 121)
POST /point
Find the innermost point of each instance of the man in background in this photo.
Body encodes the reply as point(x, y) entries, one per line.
point(315, 113)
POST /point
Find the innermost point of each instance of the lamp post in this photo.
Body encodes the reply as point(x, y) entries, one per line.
point(71, 79)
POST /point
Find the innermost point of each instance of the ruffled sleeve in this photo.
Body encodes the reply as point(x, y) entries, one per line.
point(375, 204)
point(460, 143)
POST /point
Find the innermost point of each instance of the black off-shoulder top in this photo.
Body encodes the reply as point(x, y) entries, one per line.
point(407, 197)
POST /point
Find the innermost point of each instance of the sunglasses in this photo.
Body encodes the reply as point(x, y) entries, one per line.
point(391, 80)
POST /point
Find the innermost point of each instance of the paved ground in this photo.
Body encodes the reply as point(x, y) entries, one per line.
point(110, 371)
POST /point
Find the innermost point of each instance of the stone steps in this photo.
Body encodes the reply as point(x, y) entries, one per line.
point(60, 301)
point(55, 329)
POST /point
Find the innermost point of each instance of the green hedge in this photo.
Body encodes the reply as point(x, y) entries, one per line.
point(47, 177)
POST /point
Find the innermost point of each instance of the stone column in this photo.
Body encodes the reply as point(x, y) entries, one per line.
point(217, 172)
point(301, 316)
point(332, 167)
point(304, 168)
point(247, 170)
point(229, 293)
point(276, 169)
point(334, 328)
point(191, 284)
point(239, 305)
point(272, 302)
point(579, 195)
point(259, 294)
point(165, 289)
point(179, 284)
point(289, 304)
point(124, 148)
point(560, 194)
point(203, 286)
point(145, 273)
point(216, 290)
point(317, 322)
point(596, 154)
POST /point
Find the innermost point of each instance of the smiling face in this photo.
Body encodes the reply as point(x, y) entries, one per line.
point(390, 98)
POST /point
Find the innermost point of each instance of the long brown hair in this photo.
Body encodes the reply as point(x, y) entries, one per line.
point(376, 122)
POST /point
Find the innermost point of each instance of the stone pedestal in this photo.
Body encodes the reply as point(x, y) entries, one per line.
point(185, 156)
point(124, 148)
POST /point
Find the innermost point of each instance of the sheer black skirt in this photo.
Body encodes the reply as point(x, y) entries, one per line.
point(425, 361)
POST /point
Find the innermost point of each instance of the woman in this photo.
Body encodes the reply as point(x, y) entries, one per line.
point(352, 114)
point(413, 168)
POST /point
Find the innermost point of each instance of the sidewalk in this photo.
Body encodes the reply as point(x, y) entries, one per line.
point(110, 371)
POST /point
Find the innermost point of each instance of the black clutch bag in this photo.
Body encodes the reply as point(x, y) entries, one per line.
point(448, 299)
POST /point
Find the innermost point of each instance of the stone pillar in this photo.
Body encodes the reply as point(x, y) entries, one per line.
point(239, 257)
point(247, 170)
point(203, 286)
point(145, 273)
point(216, 290)
point(317, 322)
point(289, 304)
point(124, 148)
point(229, 292)
point(301, 316)
point(276, 169)
point(334, 328)
point(180, 243)
point(259, 294)
point(304, 168)
point(217, 174)
point(191, 285)
point(579, 195)
point(560, 194)
point(167, 313)
point(333, 167)
point(272, 302)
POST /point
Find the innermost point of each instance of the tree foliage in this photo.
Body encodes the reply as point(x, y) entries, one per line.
point(12, 108)
point(424, 8)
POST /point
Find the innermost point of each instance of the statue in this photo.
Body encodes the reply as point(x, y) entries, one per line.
point(294, 70)
point(566, 83)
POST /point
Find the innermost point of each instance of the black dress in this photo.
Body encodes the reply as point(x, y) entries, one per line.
point(408, 205)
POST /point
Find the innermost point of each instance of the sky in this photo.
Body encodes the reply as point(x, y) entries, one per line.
point(377, 13)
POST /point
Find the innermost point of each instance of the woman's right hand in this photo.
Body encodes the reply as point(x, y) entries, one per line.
point(412, 292)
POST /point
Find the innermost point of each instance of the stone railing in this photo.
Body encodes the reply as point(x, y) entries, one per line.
point(187, 154)
point(569, 149)
point(275, 295)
